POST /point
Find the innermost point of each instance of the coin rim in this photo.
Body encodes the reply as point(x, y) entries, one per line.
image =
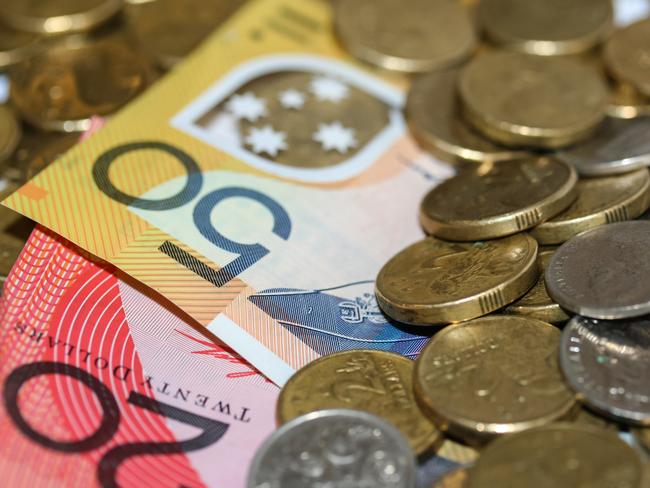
point(505, 224)
point(467, 429)
point(614, 68)
point(369, 418)
point(15, 134)
point(629, 208)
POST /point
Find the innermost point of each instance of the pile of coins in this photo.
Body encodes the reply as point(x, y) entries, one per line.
point(540, 354)
point(71, 61)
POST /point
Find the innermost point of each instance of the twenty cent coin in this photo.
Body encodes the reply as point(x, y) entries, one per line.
point(618, 146)
point(536, 304)
point(494, 200)
point(627, 55)
point(410, 36)
point(603, 273)
point(522, 100)
point(433, 115)
point(608, 362)
point(334, 448)
point(56, 17)
point(558, 455)
point(437, 282)
point(600, 201)
point(547, 27)
point(377, 382)
point(493, 375)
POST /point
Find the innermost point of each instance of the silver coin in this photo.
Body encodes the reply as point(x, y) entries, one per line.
point(334, 448)
point(603, 273)
point(619, 146)
point(608, 363)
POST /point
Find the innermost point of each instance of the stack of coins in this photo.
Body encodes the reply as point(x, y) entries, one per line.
point(540, 354)
point(71, 61)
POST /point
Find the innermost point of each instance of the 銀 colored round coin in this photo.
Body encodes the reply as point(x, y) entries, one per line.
point(494, 200)
point(603, 273)
point(453, 479)
point(627, 55)
point(494, 375)
point(536, 304)
point(438, 282)
point(600, 201)
point(619, 146)
point(377, 382)
point(409, 36)
point(547, 27)
point(56, 17)
point(433, 116)
point(523, 100)
point(10, 132)
point(607, 362)
point(15, 46)
point(558, 455)
point(334, 448)
point(63, 87)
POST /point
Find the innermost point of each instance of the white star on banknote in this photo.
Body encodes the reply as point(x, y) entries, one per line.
point(335, 137)
point(266, 140)
point(329, 89)
point(247, 106)
point(292, 99)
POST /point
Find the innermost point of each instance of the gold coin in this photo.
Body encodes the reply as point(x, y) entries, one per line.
point(522, 100)
point(627, 55)
point(56, 17)
point(586, 417)
point(433, 116)
point(625, 102)
point(10, 132)
point(377, 382)
point(600, 201)
point(170, 29)
point(10, 248)
point(558, 455)
point(410, 36)
point(494, 200)
point(536, 304)
point(453, 479)
point(15, 46)
point(547, 27)
point(494, 375)
point(63, 87)
point(438, 282)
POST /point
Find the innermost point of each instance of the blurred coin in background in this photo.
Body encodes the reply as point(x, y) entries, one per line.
point(15, 46)
point(10, 133)
point(627, 55)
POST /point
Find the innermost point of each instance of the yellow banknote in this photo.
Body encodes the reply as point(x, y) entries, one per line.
point(259, 187)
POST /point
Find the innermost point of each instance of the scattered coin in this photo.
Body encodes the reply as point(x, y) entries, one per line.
point(10, 132)
point(627, 55)
point(608, 363)
point(625, 102)
point(558, 455)
point(603, 273)
point(433, 115)
point(600, 201)
point(547, 27)
point(15, 46)
point(437, 282)
point(585, 416)
point(453, 479)
point(377, 382)
point(617, 147)
point(334, 448)
point(49, 17)
point(643, 437)
point(410, 36)
point(536, 304)
point(523, 100)
point(63, 87)
point(170, 29)
point(494, 375)
point(494, 200)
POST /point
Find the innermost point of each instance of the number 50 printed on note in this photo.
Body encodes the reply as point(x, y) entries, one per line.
point(259, 187)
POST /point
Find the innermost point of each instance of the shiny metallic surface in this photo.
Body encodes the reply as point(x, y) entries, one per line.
point(337, 448)
point(603, 273)
point(608, 364)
